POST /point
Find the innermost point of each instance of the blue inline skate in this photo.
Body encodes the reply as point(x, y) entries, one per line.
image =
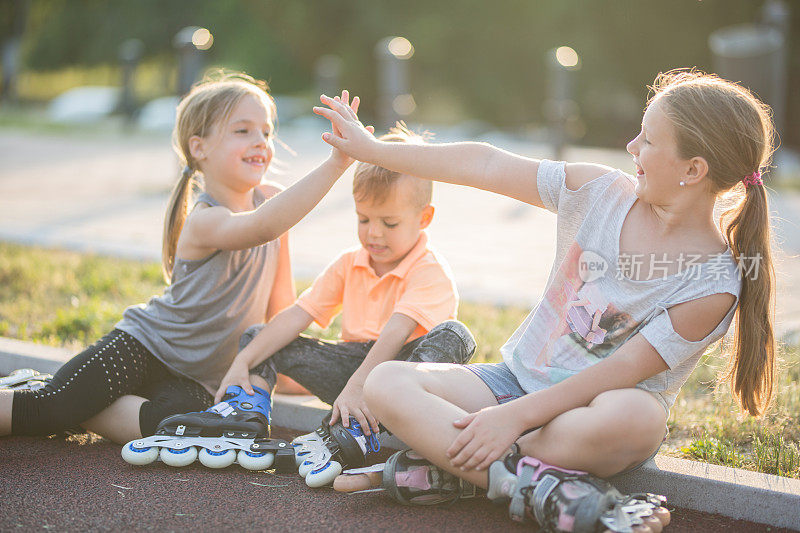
point(322, 455)
point(218, 436)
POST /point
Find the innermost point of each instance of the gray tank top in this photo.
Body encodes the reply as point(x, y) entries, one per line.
point(194, 327)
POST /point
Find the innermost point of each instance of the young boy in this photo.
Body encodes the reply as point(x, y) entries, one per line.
point(397, 297)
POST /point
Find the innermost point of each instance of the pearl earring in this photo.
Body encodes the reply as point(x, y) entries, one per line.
point(683, 183)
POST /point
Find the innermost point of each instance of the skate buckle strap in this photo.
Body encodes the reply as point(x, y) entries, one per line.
point(526, 472)
point(529, 470)
point(223, 409)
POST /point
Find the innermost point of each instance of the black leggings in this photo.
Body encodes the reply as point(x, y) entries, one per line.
point(114, 366)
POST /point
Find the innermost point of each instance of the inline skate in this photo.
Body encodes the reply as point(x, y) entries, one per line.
point(322, 455)
point(25, 379)
point(219, 436)
point(570, 500)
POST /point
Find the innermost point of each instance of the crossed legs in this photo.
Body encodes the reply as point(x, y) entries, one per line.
point(617, 430)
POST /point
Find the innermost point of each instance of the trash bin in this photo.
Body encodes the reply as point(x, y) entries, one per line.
point(754, 55)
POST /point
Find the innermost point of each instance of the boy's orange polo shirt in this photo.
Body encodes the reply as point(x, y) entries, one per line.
point(420, 287)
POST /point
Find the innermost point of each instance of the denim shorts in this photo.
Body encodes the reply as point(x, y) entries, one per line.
point(505, 387)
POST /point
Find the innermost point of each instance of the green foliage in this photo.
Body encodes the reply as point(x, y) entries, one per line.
point(473, 60)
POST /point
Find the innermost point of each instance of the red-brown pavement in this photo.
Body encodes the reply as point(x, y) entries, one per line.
point(82, 483)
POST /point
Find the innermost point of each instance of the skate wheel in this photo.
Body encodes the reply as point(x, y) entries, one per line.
point(213, 459)
point(323, 475)
point(310, 463)
point(178, 456)
point(663, 516)
point(653, 523)
point(356, 482)
point(254, 461)
point(136, 453)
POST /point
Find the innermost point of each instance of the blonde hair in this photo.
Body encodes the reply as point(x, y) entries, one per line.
point(375, 183)
point(208, 104)
point(732, 130)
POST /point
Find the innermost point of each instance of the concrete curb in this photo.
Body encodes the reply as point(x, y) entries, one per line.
point(738, 494)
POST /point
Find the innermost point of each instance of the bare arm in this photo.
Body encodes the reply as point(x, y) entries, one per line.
point(389, 343)
point(283, 290)
point(279, 332)
point(490, 431)
point(218, 228)
point(478, 165)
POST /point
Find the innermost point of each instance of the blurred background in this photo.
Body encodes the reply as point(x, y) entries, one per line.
point(88, 93)
point(480, 64)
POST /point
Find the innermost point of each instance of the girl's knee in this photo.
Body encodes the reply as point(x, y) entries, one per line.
point(632, 419)
point(387, 381)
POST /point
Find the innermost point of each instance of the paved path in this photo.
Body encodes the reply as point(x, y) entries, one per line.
point(83, 484)
point(108, 193)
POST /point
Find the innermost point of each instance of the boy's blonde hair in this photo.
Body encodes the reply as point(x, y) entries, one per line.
point(375, 183)
point(732, 130)
point(208, 104)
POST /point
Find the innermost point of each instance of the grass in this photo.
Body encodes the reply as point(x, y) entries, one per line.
point(68, 299)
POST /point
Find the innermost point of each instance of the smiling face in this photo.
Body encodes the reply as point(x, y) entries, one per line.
point(659, 170)
point(389, 230)
point(240, 148)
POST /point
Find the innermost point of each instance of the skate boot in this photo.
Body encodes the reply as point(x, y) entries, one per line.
point(218, 436)
point(570, 500)
point(311, 443)
point(410, 479)
point(25, 379)
point(341, 448)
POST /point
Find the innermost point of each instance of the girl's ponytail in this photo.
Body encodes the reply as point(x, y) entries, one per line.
point(751, 369)
point(177, 209)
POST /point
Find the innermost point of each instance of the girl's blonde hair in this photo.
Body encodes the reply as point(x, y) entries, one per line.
point(208, 104)
point(732, 130)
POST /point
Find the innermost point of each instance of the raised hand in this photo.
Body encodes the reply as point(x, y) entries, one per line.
point(348, 135)
point(339, 156)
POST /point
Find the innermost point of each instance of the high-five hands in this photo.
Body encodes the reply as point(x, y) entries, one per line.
point(348, 134)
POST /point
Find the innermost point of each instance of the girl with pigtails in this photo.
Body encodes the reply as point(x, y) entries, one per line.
point(570, 398)
point(226, 263)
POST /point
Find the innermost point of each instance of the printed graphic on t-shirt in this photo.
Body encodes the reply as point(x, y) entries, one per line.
point(579, 324)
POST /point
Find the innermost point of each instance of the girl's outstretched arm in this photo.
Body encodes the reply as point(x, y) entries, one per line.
point(479, 165)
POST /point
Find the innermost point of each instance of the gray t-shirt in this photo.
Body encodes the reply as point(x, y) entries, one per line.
point(591, 306)
point(194, 327)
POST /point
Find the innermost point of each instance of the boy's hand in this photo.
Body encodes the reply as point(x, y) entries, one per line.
point(238, 374)
point(351, 403)
point(348, 134)
point(486, 436)
point(337, 156)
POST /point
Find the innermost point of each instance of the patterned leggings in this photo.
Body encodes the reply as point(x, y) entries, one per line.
point(114, 366)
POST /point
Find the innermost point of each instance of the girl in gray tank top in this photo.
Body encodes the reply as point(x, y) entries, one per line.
point(645, 279)
point(226, 265)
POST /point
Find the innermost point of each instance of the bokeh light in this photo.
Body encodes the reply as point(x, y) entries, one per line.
point(567, 57)
point(202, 39)
point(401, 48)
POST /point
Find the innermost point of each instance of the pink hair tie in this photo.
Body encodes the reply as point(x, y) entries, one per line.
point(753, 179)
